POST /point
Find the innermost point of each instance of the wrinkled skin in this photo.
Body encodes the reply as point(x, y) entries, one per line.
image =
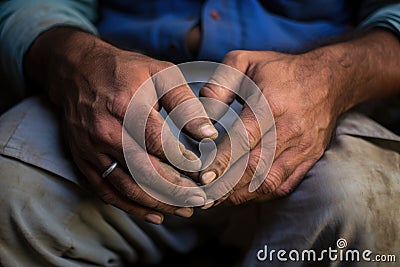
point(307, 93)
point(92, 83)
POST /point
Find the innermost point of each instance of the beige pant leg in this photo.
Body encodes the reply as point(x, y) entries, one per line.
point(353, 193)
point(46, 220)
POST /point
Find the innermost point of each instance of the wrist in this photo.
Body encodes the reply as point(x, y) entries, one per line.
point(56, 56)
point(341, 71)
point(328, 69)
point(362, 69)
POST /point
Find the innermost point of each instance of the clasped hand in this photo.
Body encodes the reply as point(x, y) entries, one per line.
point(92, 83)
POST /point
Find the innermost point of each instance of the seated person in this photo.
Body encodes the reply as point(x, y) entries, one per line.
point(67, 195)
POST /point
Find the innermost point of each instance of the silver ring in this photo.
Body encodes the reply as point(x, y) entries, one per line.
point(110, 169)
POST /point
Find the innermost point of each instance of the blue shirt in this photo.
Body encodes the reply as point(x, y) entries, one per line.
point(159, 27)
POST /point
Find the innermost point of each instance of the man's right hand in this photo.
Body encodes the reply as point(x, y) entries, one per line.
point(93, 82)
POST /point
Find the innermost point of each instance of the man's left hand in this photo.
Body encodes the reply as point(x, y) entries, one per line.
point(305, 100)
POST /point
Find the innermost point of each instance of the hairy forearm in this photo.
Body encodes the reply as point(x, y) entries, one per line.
point(363, 69)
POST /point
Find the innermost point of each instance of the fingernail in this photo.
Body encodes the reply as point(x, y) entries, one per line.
point(208, 177)
point(207, 206)
point(184, 212)
point(209, 131)
point(153, 218)
point(195, 201)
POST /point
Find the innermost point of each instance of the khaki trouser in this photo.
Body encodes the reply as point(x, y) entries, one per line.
point(353, 193)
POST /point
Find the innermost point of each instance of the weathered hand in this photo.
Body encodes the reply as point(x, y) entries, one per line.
point(93, 82)
point(303, 99)
point(306, 94)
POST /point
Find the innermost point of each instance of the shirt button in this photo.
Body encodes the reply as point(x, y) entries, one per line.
point(215, 15)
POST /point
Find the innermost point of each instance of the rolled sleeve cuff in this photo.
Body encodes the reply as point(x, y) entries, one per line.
point(21, 23)
point(386, 17)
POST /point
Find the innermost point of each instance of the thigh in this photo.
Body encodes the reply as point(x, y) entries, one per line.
point(352, 193)
point(46, 220)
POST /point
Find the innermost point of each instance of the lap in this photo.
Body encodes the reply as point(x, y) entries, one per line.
point(350, 193)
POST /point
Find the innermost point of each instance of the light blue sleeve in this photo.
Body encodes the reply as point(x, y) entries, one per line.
point(21, 22)
point(387, 17)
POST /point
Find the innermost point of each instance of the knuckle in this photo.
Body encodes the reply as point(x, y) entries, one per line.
point(221, 163)
point(282, 191)
point(153, 141)
point(159, 206)
point(209, 90)
point(267, 187)
point(242, 139)
point(309, 150)
point(304, 147)
point(107, 197)
point(118, 105)
point(135, 195)
point(156, 66)
point(273, 180)
point(178, 96)
point(236, 199)
point(130, 191)
point(262, 168)
point(278, 107)
point(102, 132)
point(281, 145)
point(298, 127)
point(253, 164)
point(254, 135)
point(166, 64)
point(234, 57)
point(260, 114)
